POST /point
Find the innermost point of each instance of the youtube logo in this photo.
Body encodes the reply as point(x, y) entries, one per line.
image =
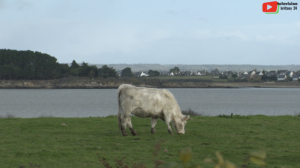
point(270, 7)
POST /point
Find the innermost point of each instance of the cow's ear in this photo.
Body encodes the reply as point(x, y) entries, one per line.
point(185, 117)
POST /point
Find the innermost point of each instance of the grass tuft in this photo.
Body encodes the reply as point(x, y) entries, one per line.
point(8, 116)
point(233, 116)
point(45, 116)
point(104, 161)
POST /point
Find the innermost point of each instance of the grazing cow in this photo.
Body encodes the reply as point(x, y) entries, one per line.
point(149, 102)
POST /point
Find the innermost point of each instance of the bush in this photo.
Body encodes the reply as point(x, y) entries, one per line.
point(232, 116)
point(190, 112)
point(270, 78)
point(297, 114)
point(8, 116)
point(223, 77)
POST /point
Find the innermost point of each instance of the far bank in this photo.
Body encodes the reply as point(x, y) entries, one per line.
point(106, 83)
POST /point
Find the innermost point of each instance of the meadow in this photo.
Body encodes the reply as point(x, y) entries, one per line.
point(84, 142)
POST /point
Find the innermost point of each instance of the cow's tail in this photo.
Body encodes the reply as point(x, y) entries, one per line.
point(119, 116)
point(119, 104)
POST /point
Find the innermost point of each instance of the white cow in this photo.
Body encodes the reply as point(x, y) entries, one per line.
point(149, 102)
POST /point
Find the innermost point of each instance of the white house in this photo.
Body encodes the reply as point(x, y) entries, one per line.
point(251, 72)
point(144, 74)
point(296, 77)
point(201, 73)
point(289, 73)
point(281, 77)
point(119, 72)
point(171, 74)
point(186, 73)
point(140, 74)
point(282, 72)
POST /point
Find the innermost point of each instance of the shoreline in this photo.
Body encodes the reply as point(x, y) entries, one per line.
point(113, 83)
point(225, 87)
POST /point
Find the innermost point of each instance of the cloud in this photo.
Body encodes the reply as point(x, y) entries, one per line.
point(203, 51)
point(22, 4)
point(3, 4)
point(175, 13)
point(171, 12)
point(235, 34)
point(176, 40)
point(16, 4)
point(202, 19)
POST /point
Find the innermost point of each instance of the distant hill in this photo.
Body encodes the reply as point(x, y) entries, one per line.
point(208, 67)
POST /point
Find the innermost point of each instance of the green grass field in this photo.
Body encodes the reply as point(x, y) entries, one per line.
point(47, 142)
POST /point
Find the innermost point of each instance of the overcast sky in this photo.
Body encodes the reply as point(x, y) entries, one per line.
point(152, 31)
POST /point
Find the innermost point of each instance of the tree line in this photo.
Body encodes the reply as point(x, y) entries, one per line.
point(29, 65)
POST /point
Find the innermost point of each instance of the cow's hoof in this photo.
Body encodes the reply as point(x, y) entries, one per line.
point(124, 133)
point(170, 131)
point(133, 132)
point(152, 130)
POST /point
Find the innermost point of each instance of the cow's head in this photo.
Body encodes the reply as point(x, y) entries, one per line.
point(180, 123)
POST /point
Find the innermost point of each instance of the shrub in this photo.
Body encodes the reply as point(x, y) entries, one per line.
point(233, 116)
point(223, 77)
point(8, 116)
point(297, 114)
point(191, 112)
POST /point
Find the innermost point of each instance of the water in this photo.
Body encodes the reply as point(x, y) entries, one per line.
point(29, 103)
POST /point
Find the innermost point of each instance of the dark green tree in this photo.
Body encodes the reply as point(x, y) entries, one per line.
point(264, 78)
point(175, 70)
point(273, 78)
point(91, 74)
point(84, 69)
point(64, 70)
point(74, 65)
point(127, 72)
point(36, 65)
point(223, 77)
point(28, 65)
point(234, 76)
point(95, 70)
point(106, 72)
point(8, 71)
point(153, 73)
point(74, 72)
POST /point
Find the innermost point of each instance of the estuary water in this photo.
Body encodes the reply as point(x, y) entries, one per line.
point(31, 103)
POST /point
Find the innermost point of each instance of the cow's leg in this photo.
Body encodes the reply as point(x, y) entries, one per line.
point(130, 126)
point(168, 120)
point(123, 126)
point(153, 123)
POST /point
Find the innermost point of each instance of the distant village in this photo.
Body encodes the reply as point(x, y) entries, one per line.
point(279, 75)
